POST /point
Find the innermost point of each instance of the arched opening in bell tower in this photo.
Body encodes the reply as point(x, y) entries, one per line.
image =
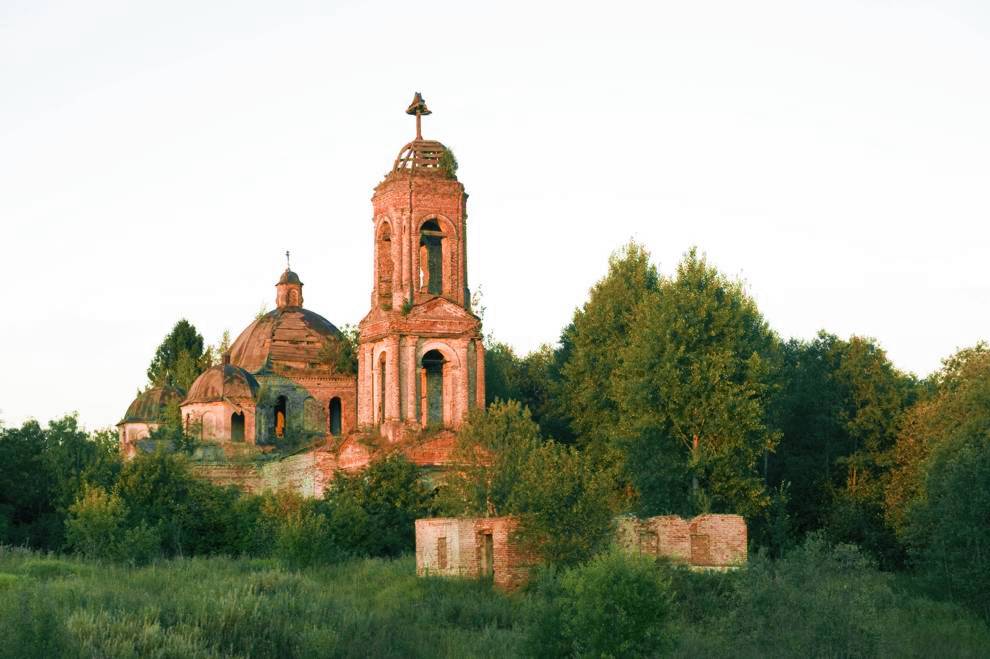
point(431, 388)
point(431, 257)
point(385, 266)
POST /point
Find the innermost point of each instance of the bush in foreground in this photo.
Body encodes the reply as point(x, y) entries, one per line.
point(616, 605)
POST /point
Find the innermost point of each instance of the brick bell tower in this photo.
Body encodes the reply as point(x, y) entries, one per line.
point(421, 361)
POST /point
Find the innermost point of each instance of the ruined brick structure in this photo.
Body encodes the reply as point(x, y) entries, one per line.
point(709, 541)
point(420, 362)
point(476, 548)
point(484, 547)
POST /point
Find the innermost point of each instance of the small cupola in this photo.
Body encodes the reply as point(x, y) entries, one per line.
point(288, 289)
point(424, 157)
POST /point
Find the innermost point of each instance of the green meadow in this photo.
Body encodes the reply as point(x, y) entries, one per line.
point(818, 601)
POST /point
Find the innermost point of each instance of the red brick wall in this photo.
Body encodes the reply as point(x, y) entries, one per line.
point(464, 538)
point(705, 541)
point(718, 540)
point(308, 474)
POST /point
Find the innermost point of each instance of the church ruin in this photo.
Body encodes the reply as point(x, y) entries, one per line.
point(420, 357)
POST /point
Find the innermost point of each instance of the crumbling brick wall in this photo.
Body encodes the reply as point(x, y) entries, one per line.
point(308, 473)
point(718, 540)
point(477, 547)
point(704, 541)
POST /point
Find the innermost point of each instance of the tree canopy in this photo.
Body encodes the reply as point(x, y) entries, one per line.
point(179, 359)
point(692, 386)
point(601, 329)
point(564, 502)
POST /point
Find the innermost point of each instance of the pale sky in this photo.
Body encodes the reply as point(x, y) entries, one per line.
point(157, 159)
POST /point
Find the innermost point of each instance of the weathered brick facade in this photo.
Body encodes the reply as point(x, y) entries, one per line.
point(476, 548)
point(704, 541)
point(459, 546)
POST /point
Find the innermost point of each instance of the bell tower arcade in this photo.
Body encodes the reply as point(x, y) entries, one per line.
point(421, 358)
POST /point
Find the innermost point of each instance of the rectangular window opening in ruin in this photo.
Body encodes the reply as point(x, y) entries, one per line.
point(486, 555)
point(442, 553)
point(648, 543)
point(701, 551)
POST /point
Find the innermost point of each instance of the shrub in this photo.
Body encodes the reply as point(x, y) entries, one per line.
point(373, 513)
point(190, 515)
point(819, 600)
point(97, 528)
point(564, 504)
point(95, 524)
point(949, 529)
point(303, 539)
point(139, 544)
point(616, 605)
point(562, 496)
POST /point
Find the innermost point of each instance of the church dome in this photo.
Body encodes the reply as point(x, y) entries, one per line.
point(149, 406)
point(424, 156)
point(288, 336)
point(289, 277)
point(220, 382)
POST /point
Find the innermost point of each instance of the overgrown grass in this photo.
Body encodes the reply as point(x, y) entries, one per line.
point(817, 601)
point(212, 607)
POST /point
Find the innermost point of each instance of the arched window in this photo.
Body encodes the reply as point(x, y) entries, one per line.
point(431, 257)
point(334, 416)
point(381, 388)
point(385, 267)
point(431, 388)
point(279, 417)
point(237, 427)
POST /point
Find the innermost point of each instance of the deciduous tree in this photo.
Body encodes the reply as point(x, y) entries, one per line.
point(692, 386)
point(601, 329)
point(179, 358)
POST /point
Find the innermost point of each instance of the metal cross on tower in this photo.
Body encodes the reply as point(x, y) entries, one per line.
point(287, 259)
point(418, 108)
